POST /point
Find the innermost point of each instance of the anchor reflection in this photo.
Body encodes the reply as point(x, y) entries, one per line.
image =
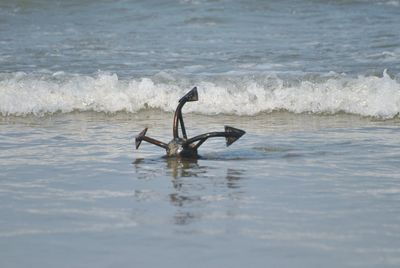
point(183, 167)
point(195, 185)
point(233, 177)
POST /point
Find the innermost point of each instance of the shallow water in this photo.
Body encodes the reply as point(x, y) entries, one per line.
point(296, 190)
point(313, 183)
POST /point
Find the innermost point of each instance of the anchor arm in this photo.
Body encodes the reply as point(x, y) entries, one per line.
point(155, 142)
point(231, 135)
point(142, 137)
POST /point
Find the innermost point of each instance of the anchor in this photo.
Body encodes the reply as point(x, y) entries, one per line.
point(183, 146)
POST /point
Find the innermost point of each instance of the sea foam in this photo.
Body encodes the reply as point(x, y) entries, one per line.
point(23, 94)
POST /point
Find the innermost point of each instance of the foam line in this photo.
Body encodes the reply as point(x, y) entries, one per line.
point(23, 94)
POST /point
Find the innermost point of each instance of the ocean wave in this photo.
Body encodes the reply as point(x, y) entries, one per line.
point(24, 94)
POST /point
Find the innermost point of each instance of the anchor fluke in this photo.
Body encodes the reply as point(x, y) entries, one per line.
point(190, 96)
point(139, 138)
point(233, 134)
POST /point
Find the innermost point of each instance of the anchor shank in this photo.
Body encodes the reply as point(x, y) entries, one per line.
point(178, 116)
point(182, 126)
point(190, 96)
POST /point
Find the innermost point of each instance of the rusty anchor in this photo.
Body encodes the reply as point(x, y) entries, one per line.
point(182, 146)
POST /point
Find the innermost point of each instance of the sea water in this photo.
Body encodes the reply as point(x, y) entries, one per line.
point(314, 182)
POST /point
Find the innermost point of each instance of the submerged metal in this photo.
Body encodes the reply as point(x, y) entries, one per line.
point(182, 146)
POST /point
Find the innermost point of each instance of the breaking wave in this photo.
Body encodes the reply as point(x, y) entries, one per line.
point(24, 94)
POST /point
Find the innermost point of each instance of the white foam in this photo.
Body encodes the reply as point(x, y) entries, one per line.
point(23, 94)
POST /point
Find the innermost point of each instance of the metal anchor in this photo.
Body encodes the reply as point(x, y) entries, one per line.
point(182, 146)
